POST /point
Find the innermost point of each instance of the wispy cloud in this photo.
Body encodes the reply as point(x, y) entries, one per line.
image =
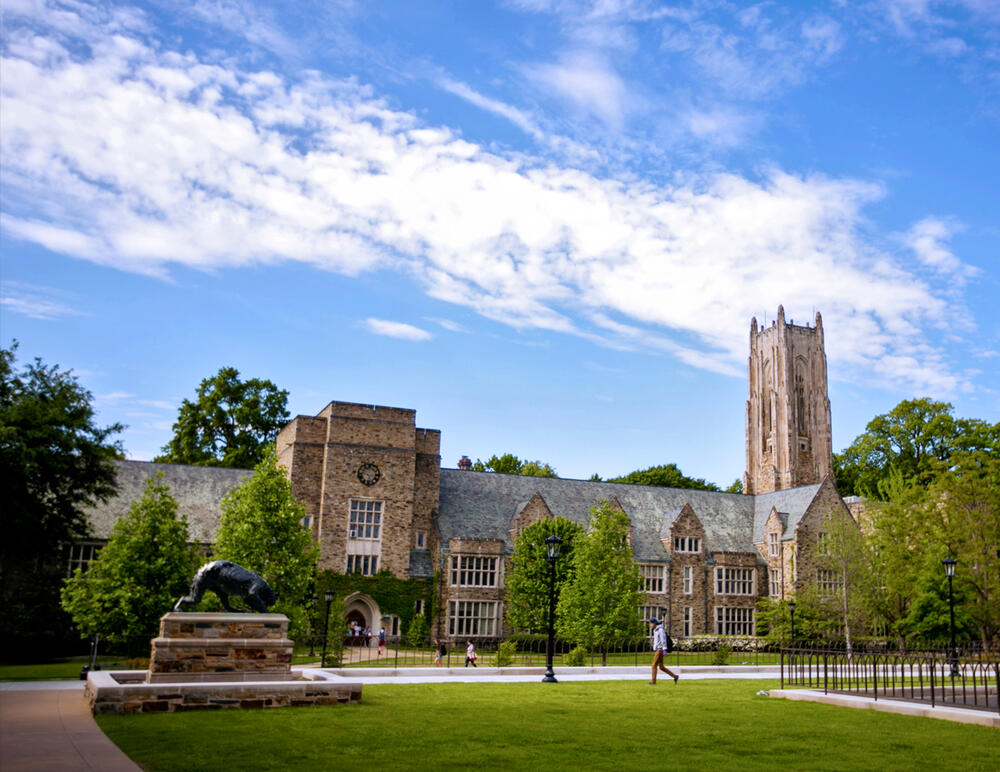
point(928, 238)
point(399, 330)
point(588, 81)
point(244, 166)
point(34, 302)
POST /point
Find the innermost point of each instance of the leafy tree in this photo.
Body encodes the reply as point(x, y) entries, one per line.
point(55, 461)
point(508, 463)
point(963, 512)
point(909, 439)
point(600, 602)
point(526, 606)
point(844, 553)
point(419, 630)
point(138, 576)
point(229, 424)
point(667, 476)
point(736, 487)
point(260, 528)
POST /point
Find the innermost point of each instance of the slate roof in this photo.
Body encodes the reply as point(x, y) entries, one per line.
point(421, 566)
point(791, 502)
point(482, 505)
point(197, 489)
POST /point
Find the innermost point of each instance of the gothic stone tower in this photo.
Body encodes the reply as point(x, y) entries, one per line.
point(788, 412)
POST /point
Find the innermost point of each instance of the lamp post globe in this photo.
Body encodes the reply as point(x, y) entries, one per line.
point(949, 571)
point(552, 546)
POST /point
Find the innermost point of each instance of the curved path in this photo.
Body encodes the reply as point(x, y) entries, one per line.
point(47, 725)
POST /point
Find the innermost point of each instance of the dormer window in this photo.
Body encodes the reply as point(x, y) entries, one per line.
point(687, 544)
point(773, 545)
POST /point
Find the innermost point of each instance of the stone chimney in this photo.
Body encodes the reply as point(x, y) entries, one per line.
point(464, 463)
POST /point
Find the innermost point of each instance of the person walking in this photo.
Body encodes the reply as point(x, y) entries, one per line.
point(381, 641)
point(470, 655)
point(439, 652)
point(659, 650)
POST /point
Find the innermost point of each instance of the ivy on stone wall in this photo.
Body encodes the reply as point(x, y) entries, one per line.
point(393, 595)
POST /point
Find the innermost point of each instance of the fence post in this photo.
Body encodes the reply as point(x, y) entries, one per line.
point(781, 660)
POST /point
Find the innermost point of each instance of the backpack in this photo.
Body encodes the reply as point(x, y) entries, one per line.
point(668, 641)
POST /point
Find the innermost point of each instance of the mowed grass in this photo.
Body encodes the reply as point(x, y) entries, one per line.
point(612, 725)
point(60, 670)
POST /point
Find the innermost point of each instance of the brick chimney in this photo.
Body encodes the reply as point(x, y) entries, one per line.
point(464, 464)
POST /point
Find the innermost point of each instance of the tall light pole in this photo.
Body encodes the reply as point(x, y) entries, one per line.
point(328, 597)
point(312, 626)
point(949, 571)
point(552, 545)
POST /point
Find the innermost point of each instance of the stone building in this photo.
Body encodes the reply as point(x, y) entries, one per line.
point(376, 498)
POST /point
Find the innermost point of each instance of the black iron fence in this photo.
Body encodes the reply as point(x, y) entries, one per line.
point(531, 652)
point(969, 678)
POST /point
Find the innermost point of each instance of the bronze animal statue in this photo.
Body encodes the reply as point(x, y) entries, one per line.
point(225, 578)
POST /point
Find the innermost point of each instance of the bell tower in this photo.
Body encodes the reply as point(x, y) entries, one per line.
point(788, 410)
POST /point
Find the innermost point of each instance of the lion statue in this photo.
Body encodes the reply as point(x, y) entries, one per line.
point(225, 578)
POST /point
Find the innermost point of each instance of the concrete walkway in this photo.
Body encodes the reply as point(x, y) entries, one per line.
point(47, 725)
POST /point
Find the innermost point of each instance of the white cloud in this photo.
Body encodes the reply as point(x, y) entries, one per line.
point(396, 329)
point(927, 240)
point(242, 167)
point(33, 301)
point(589, 82)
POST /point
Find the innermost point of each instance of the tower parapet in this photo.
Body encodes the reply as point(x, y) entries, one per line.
point(788, 439)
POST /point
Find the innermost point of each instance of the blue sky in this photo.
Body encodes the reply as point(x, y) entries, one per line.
point(543, 224)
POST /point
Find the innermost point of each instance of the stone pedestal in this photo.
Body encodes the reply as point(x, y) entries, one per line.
point(197, 647)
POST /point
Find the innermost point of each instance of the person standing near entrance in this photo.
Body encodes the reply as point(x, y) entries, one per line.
point(660, 650)
point(470, 655)
point(381, 641)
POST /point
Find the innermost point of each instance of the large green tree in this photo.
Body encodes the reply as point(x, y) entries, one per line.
point(508, 463)
point(229, 423)
point(55, 461)
point(667, 476)
point(137, 577)
point(909, 440)
point(600, 603)
point(260, 528)
point(526, 606)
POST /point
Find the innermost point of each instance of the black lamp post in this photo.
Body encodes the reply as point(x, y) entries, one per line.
point(328, 597)
point(791, 612)
point(312, 625)
point(949, 571)
point(552, 545)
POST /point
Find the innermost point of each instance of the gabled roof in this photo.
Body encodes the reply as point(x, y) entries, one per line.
point(197, 489)
point(482, 505)
point(792, 503)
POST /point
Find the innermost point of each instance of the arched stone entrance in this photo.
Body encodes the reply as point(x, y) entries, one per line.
point(363, 611)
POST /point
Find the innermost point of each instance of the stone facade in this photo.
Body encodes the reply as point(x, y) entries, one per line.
point(376, 498)
point(368, 478)
point(788, 411)
point(196, 647)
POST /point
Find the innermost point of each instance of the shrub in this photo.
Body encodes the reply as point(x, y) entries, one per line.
point(418, 632)
point(505, 653)
point(721, 655)
point(576, 657)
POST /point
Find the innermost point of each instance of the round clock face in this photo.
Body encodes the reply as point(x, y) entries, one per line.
point(368, 473)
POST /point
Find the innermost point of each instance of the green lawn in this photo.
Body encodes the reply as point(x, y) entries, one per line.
point(612, 725)
point(60, 670)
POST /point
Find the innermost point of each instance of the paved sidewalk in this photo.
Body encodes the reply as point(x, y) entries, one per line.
point(48, 726)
